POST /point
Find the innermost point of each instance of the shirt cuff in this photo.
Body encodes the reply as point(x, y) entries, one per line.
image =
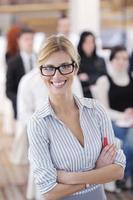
point(43, 189)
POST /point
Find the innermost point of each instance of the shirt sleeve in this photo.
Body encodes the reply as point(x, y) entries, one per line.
point(44, 172)
point(107, 131)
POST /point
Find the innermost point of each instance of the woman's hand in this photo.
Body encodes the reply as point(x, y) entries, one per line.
point(62, 176)
point(128, 113)
point(83, 77)
point(107, 156)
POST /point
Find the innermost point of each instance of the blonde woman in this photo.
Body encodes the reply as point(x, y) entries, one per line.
point(66, 135)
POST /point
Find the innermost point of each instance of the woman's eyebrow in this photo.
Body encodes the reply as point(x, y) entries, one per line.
point(65, 63)
point(51, 65)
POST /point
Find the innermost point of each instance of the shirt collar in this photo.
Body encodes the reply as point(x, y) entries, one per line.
point(81, 103)
point(25, 55)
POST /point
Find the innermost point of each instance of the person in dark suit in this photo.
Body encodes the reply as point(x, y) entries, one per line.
point(19, 65)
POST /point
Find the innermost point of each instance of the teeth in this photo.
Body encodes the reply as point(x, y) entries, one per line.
point(58, 83)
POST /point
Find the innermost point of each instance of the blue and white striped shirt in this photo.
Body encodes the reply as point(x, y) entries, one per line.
point(53, 146)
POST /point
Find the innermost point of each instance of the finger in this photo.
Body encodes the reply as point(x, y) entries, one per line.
point(112, 156)
point(111, 149)
point(110, 152)
point(111, 159)
point(107, 148)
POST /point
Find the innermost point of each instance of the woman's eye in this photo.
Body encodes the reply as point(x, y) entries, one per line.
point(65, 66)
point(48, 68)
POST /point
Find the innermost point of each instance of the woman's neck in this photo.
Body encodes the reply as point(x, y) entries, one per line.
point(62, 104)
point(120, 77)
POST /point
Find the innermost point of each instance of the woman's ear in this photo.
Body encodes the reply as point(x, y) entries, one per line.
point(76, 69)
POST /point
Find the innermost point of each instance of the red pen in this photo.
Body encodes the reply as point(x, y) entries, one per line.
point(105, 141)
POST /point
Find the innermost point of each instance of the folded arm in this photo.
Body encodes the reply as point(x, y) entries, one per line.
point(105, 171)
point(62, 190)
point(97, 176)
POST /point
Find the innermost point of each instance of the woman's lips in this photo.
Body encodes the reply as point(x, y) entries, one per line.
point(58, 84)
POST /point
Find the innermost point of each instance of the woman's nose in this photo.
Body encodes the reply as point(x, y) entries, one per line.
point(57, 73)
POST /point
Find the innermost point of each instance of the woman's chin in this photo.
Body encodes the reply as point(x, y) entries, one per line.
point(59, 89)
point(59, 92)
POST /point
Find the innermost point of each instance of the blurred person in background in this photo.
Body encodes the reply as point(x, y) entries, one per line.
point(115, 91)
point(91, 65)
point(39, 38)
point(20, 64)
point(9, 48)
point(64, 27)
point(12, 42)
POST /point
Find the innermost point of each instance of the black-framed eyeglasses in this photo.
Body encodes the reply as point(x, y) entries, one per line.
point(64, 69)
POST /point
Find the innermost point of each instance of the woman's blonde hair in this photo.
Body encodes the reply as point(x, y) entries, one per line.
point(56, 43)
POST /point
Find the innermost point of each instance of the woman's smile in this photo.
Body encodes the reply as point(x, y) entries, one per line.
point(58, 84)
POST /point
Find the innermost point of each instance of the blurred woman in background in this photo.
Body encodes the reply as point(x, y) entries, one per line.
point(12, 42)
point(115, 91)
point(91, 65)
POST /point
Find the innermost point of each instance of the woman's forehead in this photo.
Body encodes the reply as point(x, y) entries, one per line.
point(121, 53)
point(58, 57)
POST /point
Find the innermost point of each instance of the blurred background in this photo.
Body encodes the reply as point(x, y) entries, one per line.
point(110, 19)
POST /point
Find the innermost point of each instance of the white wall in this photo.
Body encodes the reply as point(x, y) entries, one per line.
point(85, 15)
